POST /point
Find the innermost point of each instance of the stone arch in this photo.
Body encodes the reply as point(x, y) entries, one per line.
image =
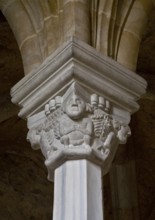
point(133, 32)
point(40, 27)
point(113, 27)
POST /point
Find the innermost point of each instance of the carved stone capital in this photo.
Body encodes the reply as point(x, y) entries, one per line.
point(78, 125)
point(78, 104)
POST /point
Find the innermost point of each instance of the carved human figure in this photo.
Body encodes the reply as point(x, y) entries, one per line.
point(75, 128)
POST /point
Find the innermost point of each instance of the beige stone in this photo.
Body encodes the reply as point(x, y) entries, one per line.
point(128, 59)
point(74, 15)
point(53, 38)
point(31, 60)
point(102, 25)
point(18, 18)
point(135, 25)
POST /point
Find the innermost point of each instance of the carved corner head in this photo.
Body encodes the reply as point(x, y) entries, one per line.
point(74, 106)
point(75, 101)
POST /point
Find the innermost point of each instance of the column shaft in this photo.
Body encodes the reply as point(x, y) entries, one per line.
point(78, 191)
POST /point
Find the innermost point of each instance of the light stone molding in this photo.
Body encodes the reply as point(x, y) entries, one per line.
point(77, 61)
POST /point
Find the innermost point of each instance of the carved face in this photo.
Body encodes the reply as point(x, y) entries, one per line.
point(75, 107)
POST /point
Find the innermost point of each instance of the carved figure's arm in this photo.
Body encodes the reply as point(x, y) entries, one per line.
point(89, 127)
point(109, 140)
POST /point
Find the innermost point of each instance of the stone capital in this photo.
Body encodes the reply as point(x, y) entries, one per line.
point(78, 105)
point(77, 125)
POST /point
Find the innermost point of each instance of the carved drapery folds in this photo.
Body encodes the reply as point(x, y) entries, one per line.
point(78, 125)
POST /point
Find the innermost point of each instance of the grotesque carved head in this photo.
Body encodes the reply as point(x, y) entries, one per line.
point(75, 101)
point(75, 106)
